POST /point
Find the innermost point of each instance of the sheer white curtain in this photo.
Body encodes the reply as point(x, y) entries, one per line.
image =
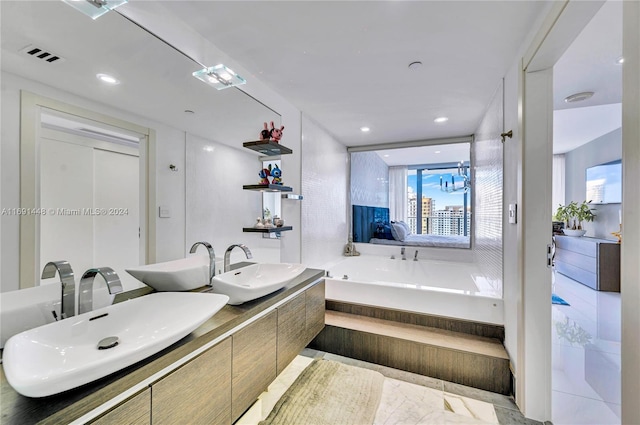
point(398, 193)
point(558, 184)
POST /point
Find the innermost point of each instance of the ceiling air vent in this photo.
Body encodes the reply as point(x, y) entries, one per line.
point(41, 54)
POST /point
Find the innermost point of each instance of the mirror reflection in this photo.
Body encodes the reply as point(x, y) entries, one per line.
point(155, 93)
point(413, 196)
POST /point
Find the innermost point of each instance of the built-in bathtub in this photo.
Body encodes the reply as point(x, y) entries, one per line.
point(444, 288)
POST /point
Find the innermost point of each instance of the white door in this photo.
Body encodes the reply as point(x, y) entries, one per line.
point(90, 190)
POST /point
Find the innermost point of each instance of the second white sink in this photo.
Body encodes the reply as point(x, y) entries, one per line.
point(255, 281)
point(178, 275)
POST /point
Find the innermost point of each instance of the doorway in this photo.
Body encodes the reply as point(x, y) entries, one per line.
point(90, 190)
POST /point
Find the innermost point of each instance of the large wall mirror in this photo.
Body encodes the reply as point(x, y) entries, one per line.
point(88, 141)
point(412, 196)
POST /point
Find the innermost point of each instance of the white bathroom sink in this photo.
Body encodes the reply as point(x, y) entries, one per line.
point(178, 275)
point(63, 355)
point(255, 281)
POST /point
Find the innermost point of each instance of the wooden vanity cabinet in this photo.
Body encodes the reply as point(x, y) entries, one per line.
point(198, 392)
point(219, 385)
point(135, 411)
point(315, 307)
point(292, 331)
point(254, 362)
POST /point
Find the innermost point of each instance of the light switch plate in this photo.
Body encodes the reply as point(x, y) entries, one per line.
point(164, 211)
point(513, 213)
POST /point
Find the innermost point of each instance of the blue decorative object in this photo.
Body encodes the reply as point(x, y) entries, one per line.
point(557, 300)
point(276, 173)
point(264, 175)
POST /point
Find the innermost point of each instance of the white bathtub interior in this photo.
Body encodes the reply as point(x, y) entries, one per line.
point(440, 287)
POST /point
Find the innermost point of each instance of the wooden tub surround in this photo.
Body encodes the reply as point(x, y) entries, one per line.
point(453, 350)
point(211, 376)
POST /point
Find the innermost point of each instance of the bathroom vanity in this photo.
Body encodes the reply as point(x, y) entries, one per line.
point(212, 376)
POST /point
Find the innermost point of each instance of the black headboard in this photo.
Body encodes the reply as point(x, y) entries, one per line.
point(363, 221)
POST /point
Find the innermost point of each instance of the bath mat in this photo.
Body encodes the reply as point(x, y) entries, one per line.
point(330, 393)
point(557, 300)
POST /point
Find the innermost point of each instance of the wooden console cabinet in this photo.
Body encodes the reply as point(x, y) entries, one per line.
point(590, 261)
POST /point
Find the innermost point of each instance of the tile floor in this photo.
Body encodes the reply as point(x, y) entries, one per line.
point(585, 355)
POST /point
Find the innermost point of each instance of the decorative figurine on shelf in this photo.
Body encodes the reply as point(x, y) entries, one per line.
point(276, 173)
point(264, 174)
point(275, 133)
point(259, 224)
point(266, 133)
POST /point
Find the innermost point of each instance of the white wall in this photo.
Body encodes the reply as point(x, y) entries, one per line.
point(325, 167)
point(603, 149)
point(217, 207)
point(488, 188)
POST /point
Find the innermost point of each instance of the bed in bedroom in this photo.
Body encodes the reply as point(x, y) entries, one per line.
point(372, 225)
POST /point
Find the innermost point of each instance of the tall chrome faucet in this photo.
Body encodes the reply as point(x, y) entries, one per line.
point(85, 298)
point(67, 281)
point(212, 257)
point(227, 254)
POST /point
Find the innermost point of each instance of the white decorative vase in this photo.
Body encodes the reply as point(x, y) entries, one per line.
point(570, 232)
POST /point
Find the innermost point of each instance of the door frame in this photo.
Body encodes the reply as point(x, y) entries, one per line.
point(30, 109)
point(563, 23)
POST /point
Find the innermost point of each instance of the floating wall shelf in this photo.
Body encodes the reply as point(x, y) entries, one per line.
point(267, 147)
point(267, 187)
point(267, 230)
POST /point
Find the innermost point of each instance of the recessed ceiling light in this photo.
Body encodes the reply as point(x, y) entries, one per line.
point(437, 152)
point(440, 120)
point(386, 155)
point(620, 60)
point(578, 97)
point(106, 78)
point(365, 129)
point(189, 111)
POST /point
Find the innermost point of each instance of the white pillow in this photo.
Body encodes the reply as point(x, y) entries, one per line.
point(405, 225)
point(399, 232)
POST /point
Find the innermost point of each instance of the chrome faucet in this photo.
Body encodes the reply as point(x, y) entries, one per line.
point(402, 253)
point(415, 256)
point(212, 257)
point(85, 298)
point(68, 283)
point(227, 254)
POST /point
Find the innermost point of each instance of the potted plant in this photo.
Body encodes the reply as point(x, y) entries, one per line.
point(573, 215)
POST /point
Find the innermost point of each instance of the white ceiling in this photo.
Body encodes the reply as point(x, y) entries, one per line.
point(433, 154)
point(590, 65)
point(342, 63)
point(345, 63)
